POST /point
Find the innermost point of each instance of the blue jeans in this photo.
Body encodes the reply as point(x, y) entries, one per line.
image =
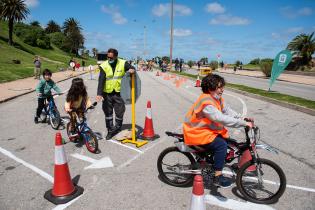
point(219, 148)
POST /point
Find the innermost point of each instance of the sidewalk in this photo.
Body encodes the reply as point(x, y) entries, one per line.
point(10, 90)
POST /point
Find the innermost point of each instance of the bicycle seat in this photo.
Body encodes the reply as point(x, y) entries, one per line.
point(179, 136)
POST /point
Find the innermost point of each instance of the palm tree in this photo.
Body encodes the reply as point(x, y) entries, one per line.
point(303, 45)
point(74, 38)
point(52, 27)
point(71, 25)
point(35, 23)
point(13, 11)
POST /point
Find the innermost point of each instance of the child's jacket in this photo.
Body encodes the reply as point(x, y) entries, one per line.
point(44, 87)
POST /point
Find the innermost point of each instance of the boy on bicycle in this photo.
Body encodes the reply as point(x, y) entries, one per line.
point(205, 123)
point(43, 90)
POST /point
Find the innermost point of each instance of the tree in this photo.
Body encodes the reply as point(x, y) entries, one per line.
point(35, 24)
point(303, 45)
point(255, 61)
point(74, 39)
point(52, 27)
point(204, 60)
point(13, 11)
point(238, 63)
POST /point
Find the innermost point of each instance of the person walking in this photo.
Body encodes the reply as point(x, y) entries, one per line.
point(108, 90)
point(37, 66)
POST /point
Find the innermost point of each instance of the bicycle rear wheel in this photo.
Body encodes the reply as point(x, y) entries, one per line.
point(91, 141)
point(264, 185)
point(172, 165)
point(54, 118)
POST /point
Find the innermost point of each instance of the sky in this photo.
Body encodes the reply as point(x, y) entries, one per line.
point(233, 29)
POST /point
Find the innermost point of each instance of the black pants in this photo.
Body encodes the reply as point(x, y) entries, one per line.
point(41, 105)
point(113, 102)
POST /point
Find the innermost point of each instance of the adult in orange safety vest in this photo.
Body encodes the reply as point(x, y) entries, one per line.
point(205, 123)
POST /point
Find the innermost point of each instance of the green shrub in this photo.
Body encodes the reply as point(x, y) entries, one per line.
point(255, 61)
point(213, 65)
point(190, 63)
point(266, 67)
point(57, 38)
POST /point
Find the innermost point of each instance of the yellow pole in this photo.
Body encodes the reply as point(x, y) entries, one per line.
point(133, 117)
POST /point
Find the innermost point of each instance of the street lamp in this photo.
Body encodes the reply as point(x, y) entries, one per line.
point(171, 44)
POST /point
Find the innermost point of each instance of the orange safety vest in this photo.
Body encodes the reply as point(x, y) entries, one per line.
point(199, 130)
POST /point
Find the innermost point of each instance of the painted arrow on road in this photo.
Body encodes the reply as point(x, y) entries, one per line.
point(105, 162)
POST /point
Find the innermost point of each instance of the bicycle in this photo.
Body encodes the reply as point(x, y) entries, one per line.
point(186, 161)
point(84, 132)
point(51, 110)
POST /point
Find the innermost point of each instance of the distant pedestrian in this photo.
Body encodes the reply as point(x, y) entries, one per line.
point(181, 65)
point(72, 64)
point(37, 66)
point(234, 68)
point(198, 63)
point(176, 64)
point(83, 64)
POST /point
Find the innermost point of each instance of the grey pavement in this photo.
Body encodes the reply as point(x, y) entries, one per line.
point(133, 182)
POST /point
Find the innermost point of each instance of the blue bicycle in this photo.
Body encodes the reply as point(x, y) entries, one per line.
point(51, 111)
point(84, 132)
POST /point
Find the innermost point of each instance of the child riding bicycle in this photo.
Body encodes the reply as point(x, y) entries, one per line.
point(205, 124)
point(43, 90)
point(77, 102)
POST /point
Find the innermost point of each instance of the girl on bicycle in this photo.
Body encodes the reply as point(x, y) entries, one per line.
point(43, 90)
point(77, 102)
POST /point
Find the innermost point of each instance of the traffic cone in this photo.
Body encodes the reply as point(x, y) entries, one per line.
point(148, 131)
point(246, 156)
point(197, 199)
point(63, 190)
point(198, 82)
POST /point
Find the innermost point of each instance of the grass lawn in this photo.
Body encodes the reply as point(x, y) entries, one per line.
point(53, 59)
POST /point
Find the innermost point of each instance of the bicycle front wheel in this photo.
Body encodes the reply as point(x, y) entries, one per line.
point(263, 182)
point(174, 165)
point(54, 118)
point(91, 141)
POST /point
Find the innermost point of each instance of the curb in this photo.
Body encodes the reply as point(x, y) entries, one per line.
point(270, 100)
point(22, 94)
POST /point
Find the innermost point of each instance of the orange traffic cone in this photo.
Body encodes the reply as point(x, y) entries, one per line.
point(63, 190)
point(148, 131)
point(197, 199)
point(198, 82)
point(246, 156)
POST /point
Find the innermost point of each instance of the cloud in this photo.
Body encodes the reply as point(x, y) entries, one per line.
point(31, 3)
point(290, 12)
point(165, 9)
point(114, 12)
point(182, 32)
point(215, 8)
point(294, 30)
point(229, 20)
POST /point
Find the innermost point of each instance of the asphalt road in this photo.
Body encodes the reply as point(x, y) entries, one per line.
point(289, 88)
point(133, 182)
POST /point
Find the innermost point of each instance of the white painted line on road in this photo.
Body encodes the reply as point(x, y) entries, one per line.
point(63, 206)
point(123, 145)
point(274, 183)
point(146, 149)
point(241, 100)
point(233, 204)
point(104, 162)
point(34, 168)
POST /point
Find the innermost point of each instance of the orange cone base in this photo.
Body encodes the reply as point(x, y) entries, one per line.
point(150, 138)
point(63, 199)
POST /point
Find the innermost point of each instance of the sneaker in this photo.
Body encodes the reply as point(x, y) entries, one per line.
point(36, 120)
point(73, 134)
point(109, 135)
point(221, 181)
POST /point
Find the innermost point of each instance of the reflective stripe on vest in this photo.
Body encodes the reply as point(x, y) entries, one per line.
point(198, 129)
point(113, 81)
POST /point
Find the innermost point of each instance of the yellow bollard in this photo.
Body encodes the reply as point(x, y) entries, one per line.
point(133, 117)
